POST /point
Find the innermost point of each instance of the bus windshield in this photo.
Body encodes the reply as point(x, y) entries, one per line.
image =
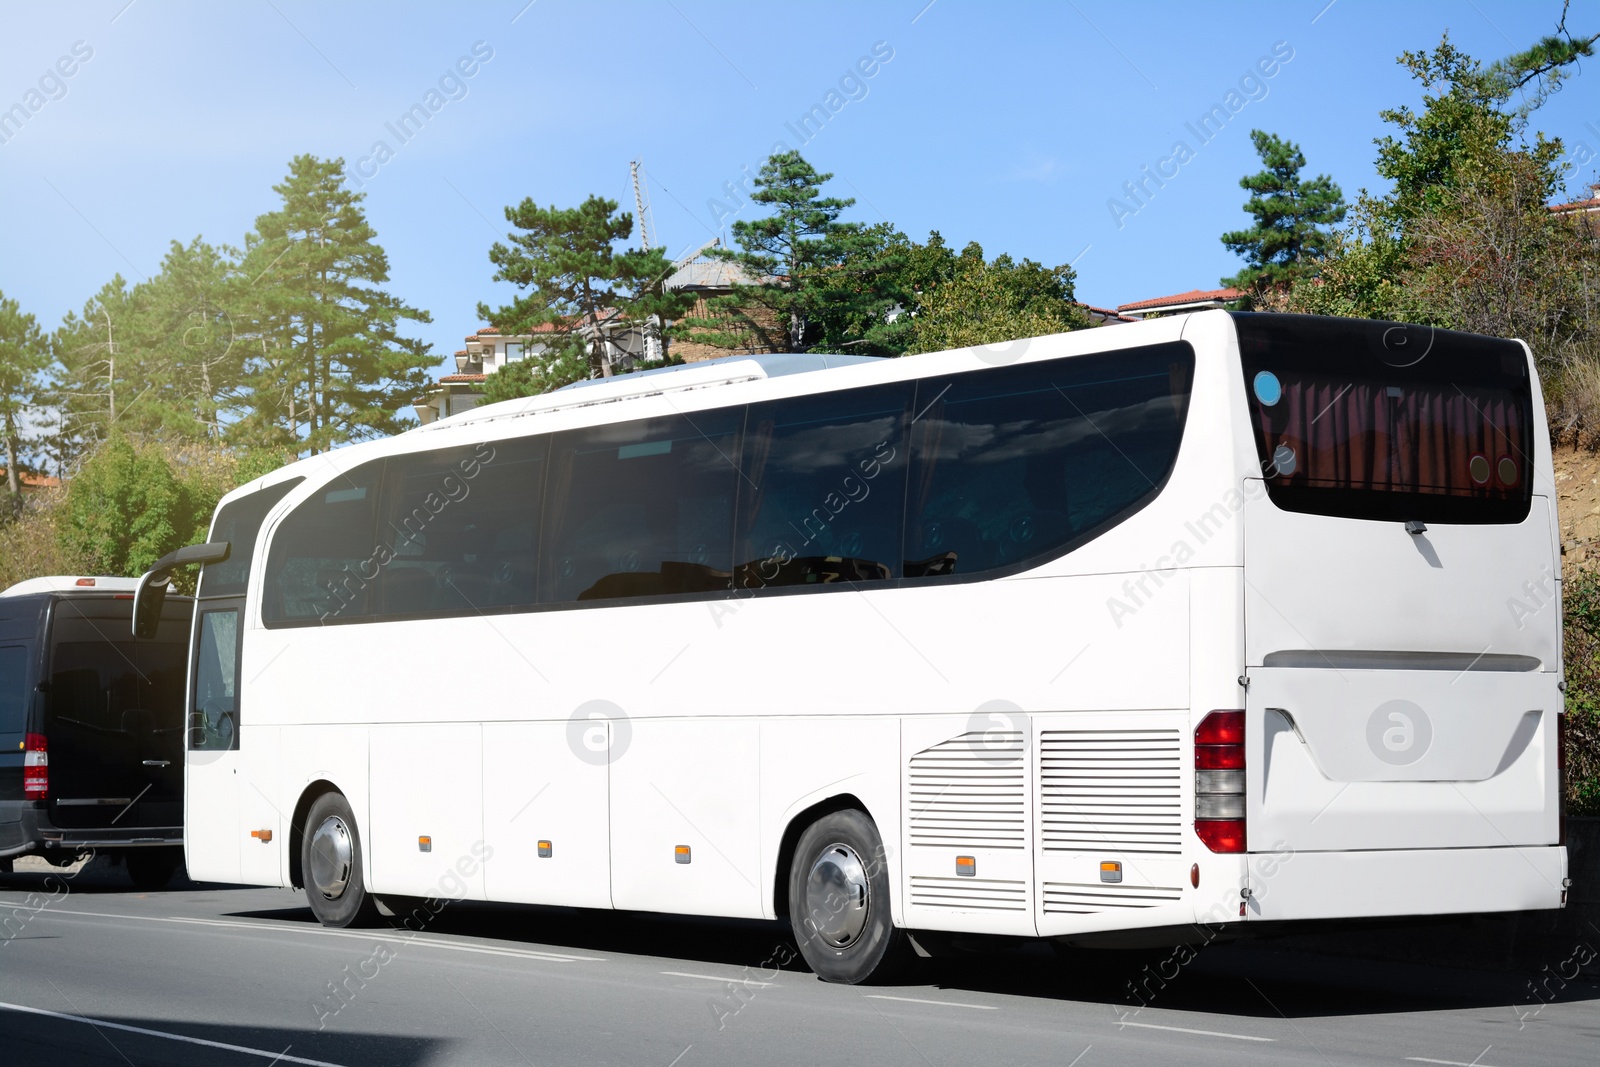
point(1378, 420)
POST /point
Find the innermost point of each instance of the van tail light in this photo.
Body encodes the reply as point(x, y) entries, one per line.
point(35, 767)
point(1219, 781)
point(1561, 778)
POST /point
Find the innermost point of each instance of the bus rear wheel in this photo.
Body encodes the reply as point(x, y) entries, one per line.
point(839, 901)
point(330, 863)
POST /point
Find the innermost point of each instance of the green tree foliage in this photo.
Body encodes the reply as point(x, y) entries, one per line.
point(24, 358)
point(326, 353)
point(965, 300)
point(188, 330)
point(815, 282)
point(1580, 597)
point(1464, 239)
point(98, 380)
point(126, 507)
point(564, 364)
point(1287, 238)
point(159, 358)
point(568, 263)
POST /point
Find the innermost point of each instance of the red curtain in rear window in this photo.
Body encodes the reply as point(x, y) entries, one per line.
point(1457, 441)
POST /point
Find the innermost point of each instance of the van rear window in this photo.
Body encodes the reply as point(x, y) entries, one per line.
point(1379, 420)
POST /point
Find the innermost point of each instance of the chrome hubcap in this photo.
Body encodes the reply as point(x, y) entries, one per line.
point(332, 857)
point(837, 895)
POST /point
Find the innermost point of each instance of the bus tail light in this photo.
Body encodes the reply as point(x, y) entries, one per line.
point(1219, 781)
point(35, 767)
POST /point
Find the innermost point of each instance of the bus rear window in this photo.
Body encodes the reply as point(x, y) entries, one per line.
point(1376, 420)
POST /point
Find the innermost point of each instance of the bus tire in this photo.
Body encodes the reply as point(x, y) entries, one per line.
point(330, 863)
point(150, 869)
point(839, 901)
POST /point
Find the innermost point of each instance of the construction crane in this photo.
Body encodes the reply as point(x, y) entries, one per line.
point(652, 332)
point(642, 202)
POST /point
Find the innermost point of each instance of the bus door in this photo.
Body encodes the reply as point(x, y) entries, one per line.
point(220, 822)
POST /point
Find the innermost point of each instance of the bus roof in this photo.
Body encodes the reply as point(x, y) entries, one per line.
point(702, 374)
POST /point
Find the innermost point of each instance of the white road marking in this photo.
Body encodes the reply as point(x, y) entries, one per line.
point(719, 978)
point(318, 931)
point(275, 1057)
point(941, 1003)
point(1205, 1033)
point(1451, 1063)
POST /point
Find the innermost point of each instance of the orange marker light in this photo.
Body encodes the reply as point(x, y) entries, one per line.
point(261, 835)
point(967, 866)
point(424, 844)
point(545, 850)
point(681, 854)
point(1110, 870)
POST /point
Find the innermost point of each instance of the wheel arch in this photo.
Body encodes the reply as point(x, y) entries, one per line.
point(791, 839)
point(297, 825)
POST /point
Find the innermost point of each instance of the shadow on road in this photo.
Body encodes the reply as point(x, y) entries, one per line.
point(1247, 979)
point(113, 1040)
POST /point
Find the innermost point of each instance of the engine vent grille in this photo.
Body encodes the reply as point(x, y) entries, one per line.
point(969, 894)
point(1110, 791)
point(970, 792)
point(1068, 898)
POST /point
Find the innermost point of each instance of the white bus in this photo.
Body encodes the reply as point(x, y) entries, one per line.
point(1218, 618)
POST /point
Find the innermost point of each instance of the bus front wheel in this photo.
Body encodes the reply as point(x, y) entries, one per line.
point(839, 901)
point(330, 862)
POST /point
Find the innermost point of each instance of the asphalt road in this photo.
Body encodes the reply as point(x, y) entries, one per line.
point(92, 972)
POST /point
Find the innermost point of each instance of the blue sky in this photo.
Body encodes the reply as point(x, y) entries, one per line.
point(1012, 125)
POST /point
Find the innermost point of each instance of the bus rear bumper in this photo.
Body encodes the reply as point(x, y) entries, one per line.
point(1444, 881)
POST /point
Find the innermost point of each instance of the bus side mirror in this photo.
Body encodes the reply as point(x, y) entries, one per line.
point(151, 594)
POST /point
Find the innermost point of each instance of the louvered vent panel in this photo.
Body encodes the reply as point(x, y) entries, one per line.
point(1068, 898)
point(1110, 791)
point(979, 894)
point(970, 792)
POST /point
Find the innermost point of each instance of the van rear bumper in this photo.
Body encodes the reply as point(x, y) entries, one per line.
point(1440, 881)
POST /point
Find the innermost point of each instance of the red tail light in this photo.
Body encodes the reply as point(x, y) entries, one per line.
point(35, 767)
point(1219, 783)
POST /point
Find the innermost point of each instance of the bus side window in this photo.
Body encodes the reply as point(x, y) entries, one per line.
point(459, 529)
point(641, 508)
point(1019, 463)
point(823, 488)
point(324, 555)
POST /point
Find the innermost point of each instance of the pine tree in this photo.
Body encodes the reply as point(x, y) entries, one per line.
point(187, 325)
point(815, 281)
point(24, 357)
point(98, 379)
point(567, 261)
point(327, 362)
point(1286, 240)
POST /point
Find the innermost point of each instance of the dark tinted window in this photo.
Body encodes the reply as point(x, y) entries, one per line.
point(641, 508)
point(823, 488)
point(1379, 420)
point(103, 680)
point(1022, 462)
point(461, 528)
point(13, 689)
point(239, 524)
point(324, 555)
